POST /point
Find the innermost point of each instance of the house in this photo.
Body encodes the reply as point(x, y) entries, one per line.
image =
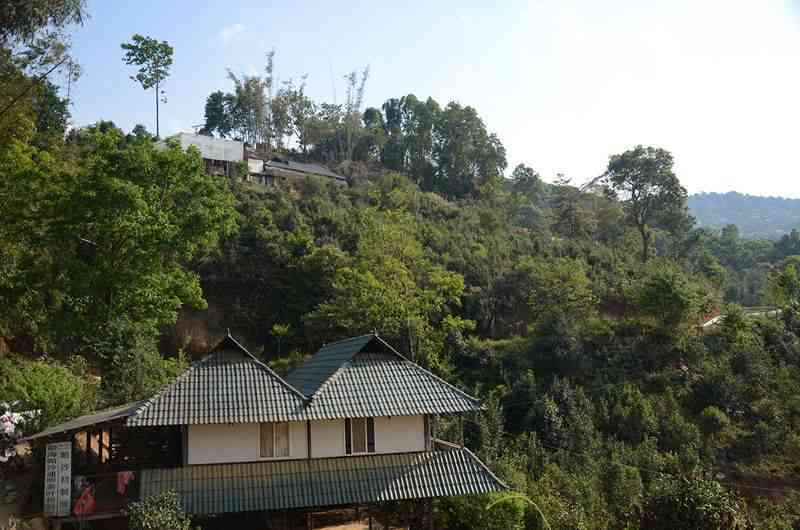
point(222, 155)
point(354, 426)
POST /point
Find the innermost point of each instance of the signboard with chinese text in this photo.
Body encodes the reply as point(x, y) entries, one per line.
point(58, 479)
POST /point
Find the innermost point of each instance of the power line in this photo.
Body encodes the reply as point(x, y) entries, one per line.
point(30, 87)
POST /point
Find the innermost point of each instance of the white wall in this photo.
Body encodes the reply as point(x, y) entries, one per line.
point(240, 442)
point(327, 438)
point(213, 148)
point(211, 444)
point(399, 434)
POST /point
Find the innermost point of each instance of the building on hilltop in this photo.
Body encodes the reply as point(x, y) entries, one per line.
point(222, 155)
point(353, 427)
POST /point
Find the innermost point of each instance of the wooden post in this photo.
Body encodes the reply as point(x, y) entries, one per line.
point(308, 438)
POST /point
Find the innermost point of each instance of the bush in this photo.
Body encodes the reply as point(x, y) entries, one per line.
point(159, 512)
point(691, 504)
point(57, 391)
point(473, 513)
point(133, 367)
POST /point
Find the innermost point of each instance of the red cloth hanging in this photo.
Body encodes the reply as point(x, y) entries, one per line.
point(86, 503)
point(123, 478)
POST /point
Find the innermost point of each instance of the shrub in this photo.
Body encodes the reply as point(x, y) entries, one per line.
point(159, 512)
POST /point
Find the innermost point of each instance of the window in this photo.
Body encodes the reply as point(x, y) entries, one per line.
point(359, 435)
point(274, 440)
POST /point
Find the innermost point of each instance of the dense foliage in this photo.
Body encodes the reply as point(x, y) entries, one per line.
point(160, 512)
point(575, 313)
point(756, 217)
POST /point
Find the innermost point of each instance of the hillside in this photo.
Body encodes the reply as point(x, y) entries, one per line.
point(756, 217)
point(573, 314)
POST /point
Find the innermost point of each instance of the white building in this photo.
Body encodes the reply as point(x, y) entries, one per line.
point(354, 425)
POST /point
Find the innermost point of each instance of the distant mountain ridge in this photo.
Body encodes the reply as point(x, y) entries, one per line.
point(756, 217)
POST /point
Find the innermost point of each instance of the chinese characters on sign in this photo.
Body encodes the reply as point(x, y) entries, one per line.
point(58, 478)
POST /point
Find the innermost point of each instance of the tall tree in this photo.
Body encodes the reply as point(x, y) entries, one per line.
point(109, 237)
point(353, 103)
point(650, 192)
point(153, 59)
point(216, 115)
point(465, 154)
point(33, 33)
point(23, 20)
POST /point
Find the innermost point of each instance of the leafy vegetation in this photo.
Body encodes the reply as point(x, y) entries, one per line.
point(756, 217)
point(159, 512)
point(575, 313)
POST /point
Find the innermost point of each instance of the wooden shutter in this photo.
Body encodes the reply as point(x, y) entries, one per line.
point(348, 445)
point(267, 441)
point(370, 435)
point(281, 439)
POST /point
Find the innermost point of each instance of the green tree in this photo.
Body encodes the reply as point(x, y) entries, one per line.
point(391, 287)
point(33, 38)
point(631, 416)
point(669, 296)
point(110, 237)
point(465, 154)
point(650, 192)
point(691, 504)
point(58, 391)
point(559, 286)
point(133, 369)
point(154, 60)
point(784, 285)
point(217, 119)
point(484, 512)
point(159, 512)
point(526, 181)
point(22, 20)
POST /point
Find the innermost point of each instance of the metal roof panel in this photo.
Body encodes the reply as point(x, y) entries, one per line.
point(221, 488)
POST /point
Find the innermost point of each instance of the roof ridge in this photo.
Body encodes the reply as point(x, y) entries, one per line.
point(192, 367)
point(348, 339)
point(270, 371)
point(330, 378)
point(152, 399)
point(426, 371)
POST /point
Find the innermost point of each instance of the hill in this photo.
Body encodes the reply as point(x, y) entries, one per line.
point(756, 217)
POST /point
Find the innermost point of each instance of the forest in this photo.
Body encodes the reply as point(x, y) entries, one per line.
point(756, 217)
point(574, 311)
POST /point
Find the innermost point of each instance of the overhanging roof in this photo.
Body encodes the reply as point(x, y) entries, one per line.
point(76, 424)
point(228, 386)
point(299, 167)
point(358, 377)
point(229, 488)
point(365, 377)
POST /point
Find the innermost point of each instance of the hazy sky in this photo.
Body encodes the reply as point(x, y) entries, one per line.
point(564, 84)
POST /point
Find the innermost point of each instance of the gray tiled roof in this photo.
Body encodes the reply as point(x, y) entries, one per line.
point(227, 386)
point(103, 416)
point(378, 384)
point(314, 169)
point(365, 377)
point(228, 488)
point(309, 376)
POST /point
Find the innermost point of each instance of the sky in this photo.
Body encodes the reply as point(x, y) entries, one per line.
point(564, 84)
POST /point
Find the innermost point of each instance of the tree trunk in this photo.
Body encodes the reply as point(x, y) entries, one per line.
point(646, 234)
point(157, 131)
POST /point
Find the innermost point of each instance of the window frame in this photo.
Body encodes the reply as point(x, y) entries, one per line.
point(369, 436)
point(275, 455)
